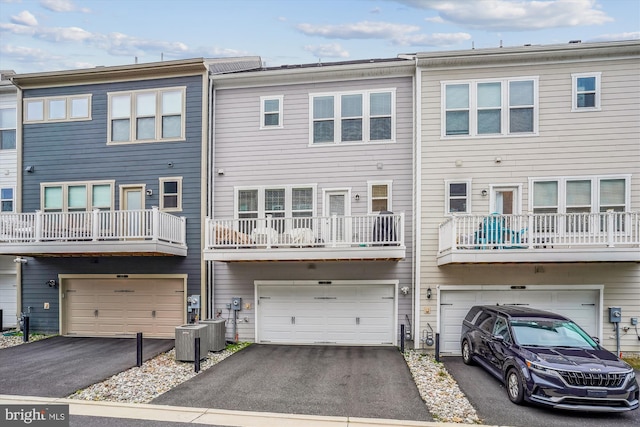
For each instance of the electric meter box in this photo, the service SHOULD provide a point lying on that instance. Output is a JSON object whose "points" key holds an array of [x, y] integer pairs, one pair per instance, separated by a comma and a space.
{"points": [[615, 314], [236, 303]]}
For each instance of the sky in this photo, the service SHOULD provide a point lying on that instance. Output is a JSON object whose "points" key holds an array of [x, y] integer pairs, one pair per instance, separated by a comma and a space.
{"points": [[51, 35]]}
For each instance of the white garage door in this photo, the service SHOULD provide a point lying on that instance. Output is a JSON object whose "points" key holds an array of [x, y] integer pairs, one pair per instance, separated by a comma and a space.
{"points": [[327, 314], [116, 307], [8, 299], [581, 306]]}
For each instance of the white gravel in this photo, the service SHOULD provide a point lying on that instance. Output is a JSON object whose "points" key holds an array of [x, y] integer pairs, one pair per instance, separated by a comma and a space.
{"points": [[437, 388]]}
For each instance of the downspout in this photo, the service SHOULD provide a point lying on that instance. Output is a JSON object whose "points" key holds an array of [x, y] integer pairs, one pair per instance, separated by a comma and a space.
{"points": [[19, 189], [417, 208], [209, 192]]}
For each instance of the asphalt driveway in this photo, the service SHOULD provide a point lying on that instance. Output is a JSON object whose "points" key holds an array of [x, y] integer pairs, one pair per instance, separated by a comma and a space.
{"points": [[371, 382], [59, 366], [489, 397]]}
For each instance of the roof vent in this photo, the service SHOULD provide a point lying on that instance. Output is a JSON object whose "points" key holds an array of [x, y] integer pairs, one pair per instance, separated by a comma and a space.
{"points": [[575, 41]]}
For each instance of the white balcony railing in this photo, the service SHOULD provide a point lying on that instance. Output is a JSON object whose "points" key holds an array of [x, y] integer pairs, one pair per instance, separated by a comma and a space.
{"points": [[150, 224], [307, 232], [540, 231]]}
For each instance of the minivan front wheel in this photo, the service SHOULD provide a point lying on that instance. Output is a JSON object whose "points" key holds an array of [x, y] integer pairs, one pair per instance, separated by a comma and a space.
{"points": [[515, 388], [466, 353]]}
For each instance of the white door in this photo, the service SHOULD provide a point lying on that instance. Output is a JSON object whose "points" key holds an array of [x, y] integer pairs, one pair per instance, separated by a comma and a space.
{"points": [[580, 305], [337, 207], [327, 314], [134, 222], [8, 299]]}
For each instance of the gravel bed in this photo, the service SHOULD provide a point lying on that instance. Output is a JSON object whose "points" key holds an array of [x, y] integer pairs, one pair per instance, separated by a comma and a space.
{"points": [[437, 388], [14, 340]]}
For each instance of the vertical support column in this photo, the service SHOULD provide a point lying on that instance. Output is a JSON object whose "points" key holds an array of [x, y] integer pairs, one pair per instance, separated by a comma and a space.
{"points": [[139, 349], [95, 224], [196, 355], [37, 233], [155, 226], [610, 228]]}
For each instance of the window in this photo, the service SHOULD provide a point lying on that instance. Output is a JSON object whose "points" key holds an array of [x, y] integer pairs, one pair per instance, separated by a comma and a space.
{"points": [[379, 196], [7, 128], [6, 199], [586, 92], [458, 196], [353, 117], [489, 108], [277, 201], [76, 196], [171, 194], [147, 116], [57, 109], [581, 197], [271, 112]]}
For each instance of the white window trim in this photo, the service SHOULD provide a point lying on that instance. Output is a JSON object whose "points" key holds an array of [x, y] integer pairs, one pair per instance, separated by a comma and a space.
{"points": [[366, 117], [504, 108], [158, 116], [574, 92], [162, 180], [280, 99], [10, 107], [370, 184], [595, 189], [447, 187], [288, 199], [45, 108], [13, 198], [66, 184]]}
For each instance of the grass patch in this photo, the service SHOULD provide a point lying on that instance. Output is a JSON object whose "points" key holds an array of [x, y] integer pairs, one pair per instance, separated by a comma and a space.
{"points": [[235, 347], [634, 361]]}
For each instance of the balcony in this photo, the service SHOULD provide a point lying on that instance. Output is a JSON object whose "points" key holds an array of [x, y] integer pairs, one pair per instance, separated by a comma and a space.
{"points": [[537, 238], [334, 238], [98, 233]]}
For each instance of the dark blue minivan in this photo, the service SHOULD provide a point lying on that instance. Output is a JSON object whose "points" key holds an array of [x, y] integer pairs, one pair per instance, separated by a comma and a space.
{"points": [[545, 358]]}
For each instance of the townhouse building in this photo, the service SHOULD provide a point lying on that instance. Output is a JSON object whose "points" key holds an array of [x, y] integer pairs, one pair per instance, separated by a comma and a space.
{"points": [[529, 185], [309, 235]]}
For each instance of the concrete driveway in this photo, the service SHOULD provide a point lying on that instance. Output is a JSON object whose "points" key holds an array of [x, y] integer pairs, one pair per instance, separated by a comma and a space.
{"points": [[489, 397], [58, 366], [370, 382]]}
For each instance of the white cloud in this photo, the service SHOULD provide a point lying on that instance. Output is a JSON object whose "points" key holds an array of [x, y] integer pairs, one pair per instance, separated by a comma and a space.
{"points": [[62, 6], [435, 20], [515, 15], [359, 30], [66, 34], [333, 50], [217, 52], [27, 54], [434, 40], [635, 35], [25, 18], [375, 10]]}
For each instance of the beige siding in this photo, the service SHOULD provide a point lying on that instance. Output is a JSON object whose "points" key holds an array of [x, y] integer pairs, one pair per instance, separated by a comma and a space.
{"points": [[568, 144]]}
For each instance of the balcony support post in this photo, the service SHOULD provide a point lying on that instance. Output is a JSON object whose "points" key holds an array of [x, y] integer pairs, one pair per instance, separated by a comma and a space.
{"points": [[454, 233], [269, 222], [95, 224], [530, 230], [155, 226], [610, 228], [334, 230], [37, 233], [208, 243]]}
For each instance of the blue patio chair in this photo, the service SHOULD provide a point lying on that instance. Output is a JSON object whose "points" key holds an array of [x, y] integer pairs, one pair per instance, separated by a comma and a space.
{"points": [[491, 231]]}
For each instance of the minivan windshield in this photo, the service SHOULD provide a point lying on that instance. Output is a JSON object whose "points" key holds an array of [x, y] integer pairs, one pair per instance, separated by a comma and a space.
{"points": [[550, 333]]}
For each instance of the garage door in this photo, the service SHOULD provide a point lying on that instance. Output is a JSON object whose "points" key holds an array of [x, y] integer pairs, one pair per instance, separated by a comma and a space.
{"points": [[116, 307], [328, 314], [579, 305], [8, 299]]}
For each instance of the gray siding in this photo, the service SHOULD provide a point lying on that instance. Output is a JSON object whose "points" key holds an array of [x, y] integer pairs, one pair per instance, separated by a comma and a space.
{"points": [[77, 151], [252, 157]]}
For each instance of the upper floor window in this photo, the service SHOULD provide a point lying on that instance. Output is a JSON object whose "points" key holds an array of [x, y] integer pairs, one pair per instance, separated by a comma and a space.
{"points": [[171, 194], [57, 109], [76, 196], [586, 91], [147, 115], [6, 200], [581, 194], [379, 196], [7, 128], [271, 112], [458, 196], [489, 107], [350, 117]]}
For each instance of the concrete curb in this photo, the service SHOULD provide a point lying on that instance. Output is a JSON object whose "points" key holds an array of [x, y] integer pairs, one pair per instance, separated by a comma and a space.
{"points": [[208, 416]]}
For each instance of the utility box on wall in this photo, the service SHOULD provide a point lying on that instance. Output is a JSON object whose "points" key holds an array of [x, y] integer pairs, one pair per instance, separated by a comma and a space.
{"points": [[236, 303], [615, 314]]}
